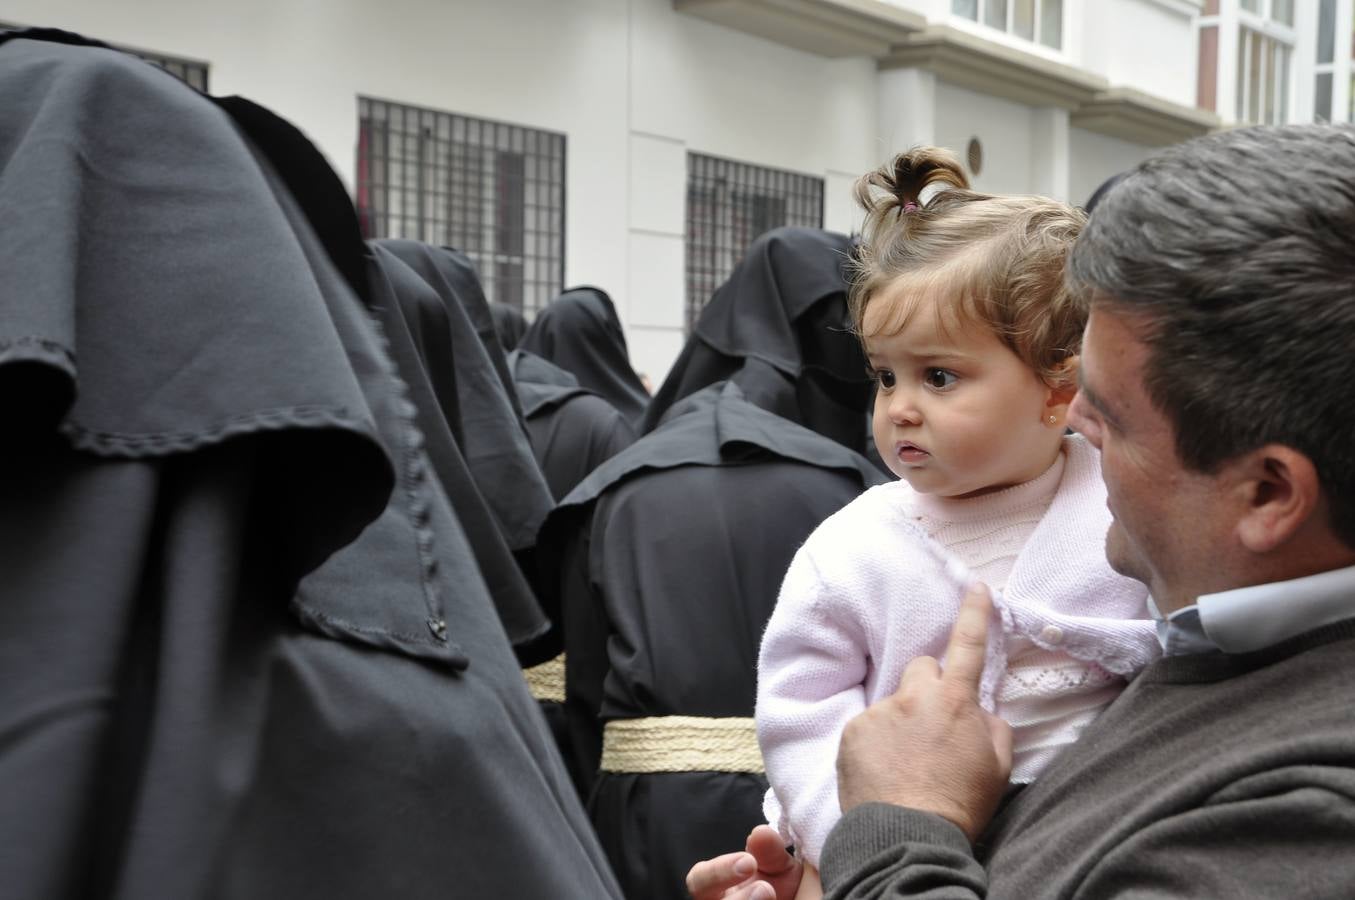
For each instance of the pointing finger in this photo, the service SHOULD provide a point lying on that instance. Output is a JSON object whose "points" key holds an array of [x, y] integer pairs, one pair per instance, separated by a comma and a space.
{"points": [[969, 639]]}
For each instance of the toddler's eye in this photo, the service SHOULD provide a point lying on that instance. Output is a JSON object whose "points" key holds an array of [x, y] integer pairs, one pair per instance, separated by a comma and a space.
{"points": [[939, 378], [885, 377]]}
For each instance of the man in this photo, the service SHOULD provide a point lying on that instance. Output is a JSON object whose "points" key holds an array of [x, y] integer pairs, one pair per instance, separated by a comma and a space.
{"points": [[1216, 377]]}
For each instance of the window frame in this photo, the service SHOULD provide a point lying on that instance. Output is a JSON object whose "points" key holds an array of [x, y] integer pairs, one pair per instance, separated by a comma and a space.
{"points": [[713, 243], [980, 20], [493, 190]]}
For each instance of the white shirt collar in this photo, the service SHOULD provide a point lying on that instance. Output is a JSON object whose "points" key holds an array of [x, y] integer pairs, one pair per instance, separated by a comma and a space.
{"points": [[1255, 617]]}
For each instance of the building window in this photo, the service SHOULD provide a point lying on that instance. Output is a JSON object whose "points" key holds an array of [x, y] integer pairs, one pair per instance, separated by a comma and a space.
{"points": [[1262, 78], [1264, 55], [194, 74], [728, 205], [1335, 62], [494, 191], [1033, 20]]}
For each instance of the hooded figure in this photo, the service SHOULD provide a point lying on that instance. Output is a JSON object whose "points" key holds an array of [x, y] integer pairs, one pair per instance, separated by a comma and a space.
{"points": [[573, 430], [498, 495], [580, 332], [509, 324], [769, 310], [669, 557], [243, 625], [456, 347]]}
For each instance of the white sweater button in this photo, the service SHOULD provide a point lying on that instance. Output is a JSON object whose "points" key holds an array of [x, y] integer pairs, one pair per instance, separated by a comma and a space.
{"points": [[1051, 634]]}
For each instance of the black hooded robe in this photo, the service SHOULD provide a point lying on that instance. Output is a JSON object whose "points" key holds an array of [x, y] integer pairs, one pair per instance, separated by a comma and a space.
{"points": [[580, 332], [670, 556], [181, 716]]}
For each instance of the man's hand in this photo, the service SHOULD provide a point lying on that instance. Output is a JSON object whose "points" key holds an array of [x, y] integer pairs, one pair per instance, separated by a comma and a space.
{"points": [[929, 745], [764, 871]]}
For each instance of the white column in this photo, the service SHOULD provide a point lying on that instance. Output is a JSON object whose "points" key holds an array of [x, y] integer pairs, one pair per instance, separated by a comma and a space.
{"points": [[656, 246], [907, 110], [1050, 160], [1226, 106], [1342, 71]]}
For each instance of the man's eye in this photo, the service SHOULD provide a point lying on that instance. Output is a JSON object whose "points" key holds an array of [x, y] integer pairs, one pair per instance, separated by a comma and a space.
{"points": [[939, 378], [885, 377]]}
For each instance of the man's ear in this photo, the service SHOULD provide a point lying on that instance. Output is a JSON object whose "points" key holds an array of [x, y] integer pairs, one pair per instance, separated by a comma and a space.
{"points": [[1059, 395], [1281, 492]]}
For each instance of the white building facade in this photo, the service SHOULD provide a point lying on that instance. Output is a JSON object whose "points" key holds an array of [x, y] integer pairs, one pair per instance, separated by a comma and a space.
{"points": [[638, 145]]}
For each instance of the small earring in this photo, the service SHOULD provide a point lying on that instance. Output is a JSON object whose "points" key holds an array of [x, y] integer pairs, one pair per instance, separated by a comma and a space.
{"points": [[1053, 420]]}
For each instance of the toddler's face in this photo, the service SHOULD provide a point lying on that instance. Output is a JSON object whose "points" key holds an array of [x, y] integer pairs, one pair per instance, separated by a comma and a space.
{"points": [[957, 413]]}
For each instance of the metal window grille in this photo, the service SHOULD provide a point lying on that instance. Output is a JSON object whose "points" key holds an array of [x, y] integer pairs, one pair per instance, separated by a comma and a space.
{"points": [[728, 205], [194, 74], [494, 191], [189, 71]]}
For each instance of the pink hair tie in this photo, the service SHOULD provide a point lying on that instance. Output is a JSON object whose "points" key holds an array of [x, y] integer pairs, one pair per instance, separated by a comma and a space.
{"points": [[909, 206]]}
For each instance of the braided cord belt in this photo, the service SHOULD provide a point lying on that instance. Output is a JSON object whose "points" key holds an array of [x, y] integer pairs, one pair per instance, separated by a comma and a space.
{"points": [[547, 680], [681, 744]]}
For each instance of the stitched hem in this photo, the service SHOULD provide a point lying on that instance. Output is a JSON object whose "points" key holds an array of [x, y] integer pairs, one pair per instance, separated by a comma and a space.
{"points": [[121, 444]]}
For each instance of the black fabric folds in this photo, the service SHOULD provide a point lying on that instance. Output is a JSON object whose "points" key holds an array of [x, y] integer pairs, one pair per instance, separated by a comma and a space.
{"points": [[451, 273], [180, 716], [124, 327], [423, 331], [784, 306], [573, 430], [579, 331], [509, 323], [681, 542]]}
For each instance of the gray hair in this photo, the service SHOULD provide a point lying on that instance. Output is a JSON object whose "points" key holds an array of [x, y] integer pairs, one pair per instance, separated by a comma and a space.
{"points": [[1239, 251]]}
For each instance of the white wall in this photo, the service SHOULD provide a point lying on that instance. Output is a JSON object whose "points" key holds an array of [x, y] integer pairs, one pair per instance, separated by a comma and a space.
{"points": [[1095, 157], [699, 87], [1002, 127], [308, 60], [1146, 44]]}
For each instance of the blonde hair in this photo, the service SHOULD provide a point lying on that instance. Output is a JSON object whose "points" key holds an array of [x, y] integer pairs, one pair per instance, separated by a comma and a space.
{"points": [[1001, 258]]}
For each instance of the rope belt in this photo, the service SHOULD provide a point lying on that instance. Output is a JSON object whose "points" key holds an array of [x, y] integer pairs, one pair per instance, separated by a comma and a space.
{"points": [[680, 744], [547, 680]]}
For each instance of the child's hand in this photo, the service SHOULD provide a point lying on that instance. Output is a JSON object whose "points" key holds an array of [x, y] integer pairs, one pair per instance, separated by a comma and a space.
{"points": [[930, 745], [764, 871]]}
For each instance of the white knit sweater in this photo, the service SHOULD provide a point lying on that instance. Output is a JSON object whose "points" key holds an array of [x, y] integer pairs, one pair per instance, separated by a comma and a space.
{"points": [[870, 590]]}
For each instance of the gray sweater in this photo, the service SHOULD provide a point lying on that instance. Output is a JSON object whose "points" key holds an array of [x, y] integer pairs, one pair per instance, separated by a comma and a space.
{"points": [[1212, 775]]}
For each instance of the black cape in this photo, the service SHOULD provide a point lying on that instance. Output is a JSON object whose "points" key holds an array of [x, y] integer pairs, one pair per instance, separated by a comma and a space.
{"points": [[509, 324], [491, 430], [580, 332], [671, 555], [427, 336], [784, 305], [573, 430], [181, 717]]}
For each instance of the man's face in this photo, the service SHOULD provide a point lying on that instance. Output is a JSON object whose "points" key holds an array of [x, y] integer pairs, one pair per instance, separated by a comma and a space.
{"points": [[1170, 525]]}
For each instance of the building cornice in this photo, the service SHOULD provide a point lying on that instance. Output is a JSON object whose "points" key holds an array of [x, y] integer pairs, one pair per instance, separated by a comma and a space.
{"points": [[1187, 8], [1132, 115], [897, 38], [990, 68], [833, 28]]}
